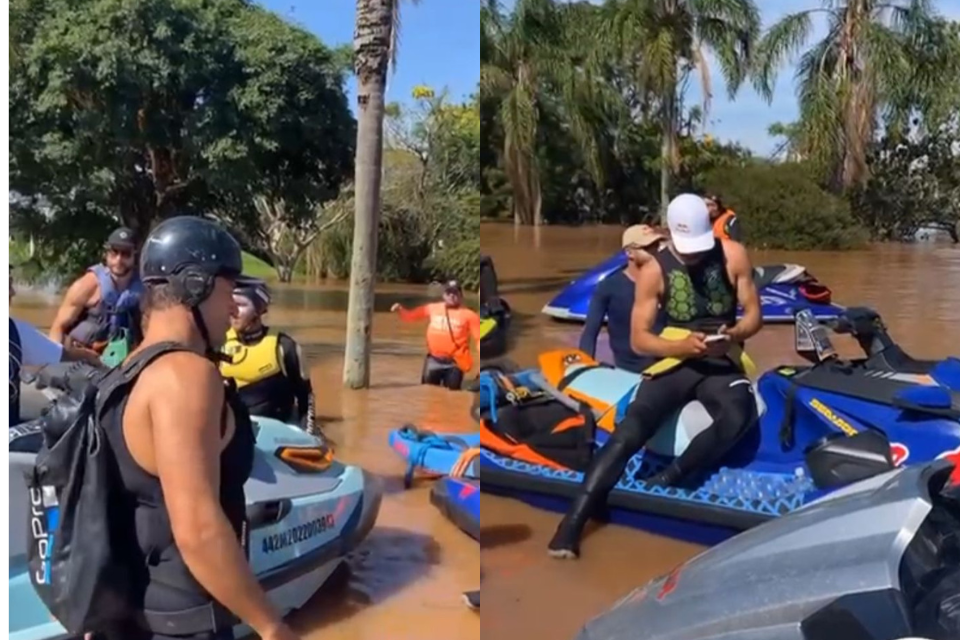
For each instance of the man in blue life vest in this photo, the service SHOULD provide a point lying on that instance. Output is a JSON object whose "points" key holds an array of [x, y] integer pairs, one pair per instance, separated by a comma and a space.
{"points": [[267, 365], [103, 300]]}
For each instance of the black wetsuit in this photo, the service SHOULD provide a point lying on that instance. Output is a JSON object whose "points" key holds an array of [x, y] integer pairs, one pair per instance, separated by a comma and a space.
{"points": [[166, 582], [698, 297], [286, 396]]}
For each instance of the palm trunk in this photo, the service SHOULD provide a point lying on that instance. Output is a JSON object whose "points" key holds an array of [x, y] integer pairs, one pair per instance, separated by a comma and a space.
{"points": [[371, 42], [667, 151]]}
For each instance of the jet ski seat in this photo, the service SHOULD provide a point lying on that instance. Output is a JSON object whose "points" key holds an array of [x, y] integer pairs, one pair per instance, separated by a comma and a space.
{"points": [[883, 354]]}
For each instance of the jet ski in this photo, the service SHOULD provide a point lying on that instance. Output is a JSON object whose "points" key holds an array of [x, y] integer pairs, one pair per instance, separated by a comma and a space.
{"points": [[784, 289], [459, 500], [495, 313], [820, 427], [879, 560], [305, 513]]}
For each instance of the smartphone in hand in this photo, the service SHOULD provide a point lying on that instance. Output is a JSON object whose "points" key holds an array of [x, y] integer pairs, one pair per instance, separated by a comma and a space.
{"points": [[717, 337]]}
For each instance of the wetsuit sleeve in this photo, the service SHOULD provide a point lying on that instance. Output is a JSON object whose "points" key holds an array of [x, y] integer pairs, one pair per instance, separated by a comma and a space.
{"points": [[595, 315], [733, 229], [412, 315], [299, 378]]}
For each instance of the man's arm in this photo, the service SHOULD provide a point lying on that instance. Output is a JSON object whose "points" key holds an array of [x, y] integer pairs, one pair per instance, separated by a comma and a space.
{"points": [[291, 356], [595, 314], [74, 303], [410, 315], [645, 305], [740, 271], [187, 445]]}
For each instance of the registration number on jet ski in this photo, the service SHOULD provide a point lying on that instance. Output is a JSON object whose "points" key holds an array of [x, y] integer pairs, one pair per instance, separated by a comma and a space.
{"points": [[299, 533]]}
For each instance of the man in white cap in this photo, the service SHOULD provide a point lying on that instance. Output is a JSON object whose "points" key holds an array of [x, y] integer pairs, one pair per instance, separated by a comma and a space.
{"points": [[697, 281], [613, 299]]}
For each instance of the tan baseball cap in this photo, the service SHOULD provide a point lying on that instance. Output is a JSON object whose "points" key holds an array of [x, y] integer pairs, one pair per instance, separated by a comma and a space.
{"points": [[640, 235]]}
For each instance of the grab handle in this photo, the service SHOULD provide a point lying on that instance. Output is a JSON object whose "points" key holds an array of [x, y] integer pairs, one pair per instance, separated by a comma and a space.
{"points": [[264, 514]]}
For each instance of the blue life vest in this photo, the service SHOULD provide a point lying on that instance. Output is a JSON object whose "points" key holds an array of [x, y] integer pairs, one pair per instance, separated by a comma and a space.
{"points": [[112, 312]]}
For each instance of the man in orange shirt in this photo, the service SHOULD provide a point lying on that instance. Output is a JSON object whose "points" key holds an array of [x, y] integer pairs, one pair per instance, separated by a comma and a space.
{"points": [[725, 224], [448, 336]]}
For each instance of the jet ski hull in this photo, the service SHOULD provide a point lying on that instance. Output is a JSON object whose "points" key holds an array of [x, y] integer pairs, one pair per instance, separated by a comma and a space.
{"points": [[837, 436], [851, 565], [459, 500], [779, 300], [301, 526]]}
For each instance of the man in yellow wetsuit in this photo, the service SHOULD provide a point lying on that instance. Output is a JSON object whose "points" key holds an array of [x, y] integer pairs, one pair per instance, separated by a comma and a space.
{"points": [[266, 364]]}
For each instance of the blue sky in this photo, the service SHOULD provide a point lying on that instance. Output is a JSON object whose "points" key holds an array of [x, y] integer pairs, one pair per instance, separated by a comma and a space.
{"points": [[439, 41]]}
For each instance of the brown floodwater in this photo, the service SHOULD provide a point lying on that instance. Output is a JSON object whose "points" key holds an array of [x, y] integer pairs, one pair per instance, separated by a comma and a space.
{"points": [[405, 581], [527, 595]]}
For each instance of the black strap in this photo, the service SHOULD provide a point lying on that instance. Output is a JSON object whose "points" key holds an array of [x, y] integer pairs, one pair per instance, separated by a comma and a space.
{"points": [[107, 386], [453, 339], [788, 439], [16, 362]]}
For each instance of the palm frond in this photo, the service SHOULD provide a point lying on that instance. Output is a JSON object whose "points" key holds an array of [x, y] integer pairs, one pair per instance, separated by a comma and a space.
{"points": [[783, 40]]}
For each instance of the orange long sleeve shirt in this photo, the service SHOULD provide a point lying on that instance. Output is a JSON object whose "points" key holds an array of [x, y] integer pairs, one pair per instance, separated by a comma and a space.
{"points": [[447, 339]]}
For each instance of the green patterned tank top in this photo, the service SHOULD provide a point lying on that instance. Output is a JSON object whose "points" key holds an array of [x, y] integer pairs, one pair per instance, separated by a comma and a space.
{"points": [[697, 296]]}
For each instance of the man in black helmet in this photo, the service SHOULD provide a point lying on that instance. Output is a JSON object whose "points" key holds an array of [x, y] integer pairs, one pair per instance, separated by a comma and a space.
{"points": [[182, 464], [266, 364]]}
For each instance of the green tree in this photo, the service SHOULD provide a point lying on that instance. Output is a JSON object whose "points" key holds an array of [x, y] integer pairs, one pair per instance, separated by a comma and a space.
{"points": [[298, 135], [865, 63], [141, 110], [124, 108]]}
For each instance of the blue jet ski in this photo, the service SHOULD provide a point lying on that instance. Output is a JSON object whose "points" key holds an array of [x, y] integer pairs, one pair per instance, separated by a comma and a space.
{"points": [[821, 427], [434, 454], [305, 513], [784, 290], [459, 500]]}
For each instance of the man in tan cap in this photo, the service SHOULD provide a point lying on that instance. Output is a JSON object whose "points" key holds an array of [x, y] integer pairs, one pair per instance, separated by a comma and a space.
{"points": [[614, 296]]}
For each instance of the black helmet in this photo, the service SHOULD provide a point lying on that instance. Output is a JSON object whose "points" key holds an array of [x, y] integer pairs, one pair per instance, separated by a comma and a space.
{"points": [[255, 290], [188, 253]]}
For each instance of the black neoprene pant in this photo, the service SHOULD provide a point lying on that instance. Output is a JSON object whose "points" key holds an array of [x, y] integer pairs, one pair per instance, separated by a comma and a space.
{"points": [[441, 374], [718, 384]]}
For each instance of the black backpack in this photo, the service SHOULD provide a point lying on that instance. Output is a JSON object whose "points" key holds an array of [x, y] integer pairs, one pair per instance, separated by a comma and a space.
{"points": [[73, 523]]}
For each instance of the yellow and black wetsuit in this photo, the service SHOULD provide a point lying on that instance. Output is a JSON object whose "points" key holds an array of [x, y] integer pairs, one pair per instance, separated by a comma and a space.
{"points": [[268, 370]]}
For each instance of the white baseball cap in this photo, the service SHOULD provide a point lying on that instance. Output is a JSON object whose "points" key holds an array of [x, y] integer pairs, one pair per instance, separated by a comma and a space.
{"points": [[689, 221]]}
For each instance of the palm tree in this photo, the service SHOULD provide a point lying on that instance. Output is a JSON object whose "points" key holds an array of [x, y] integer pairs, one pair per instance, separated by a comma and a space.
{"points": [[663, 42], [375, 42], [515, 54], [538, 57], [860, 66]]}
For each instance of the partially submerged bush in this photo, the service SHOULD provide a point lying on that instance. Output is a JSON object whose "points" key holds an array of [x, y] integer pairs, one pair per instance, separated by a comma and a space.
{"points": [[781, 206]]}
